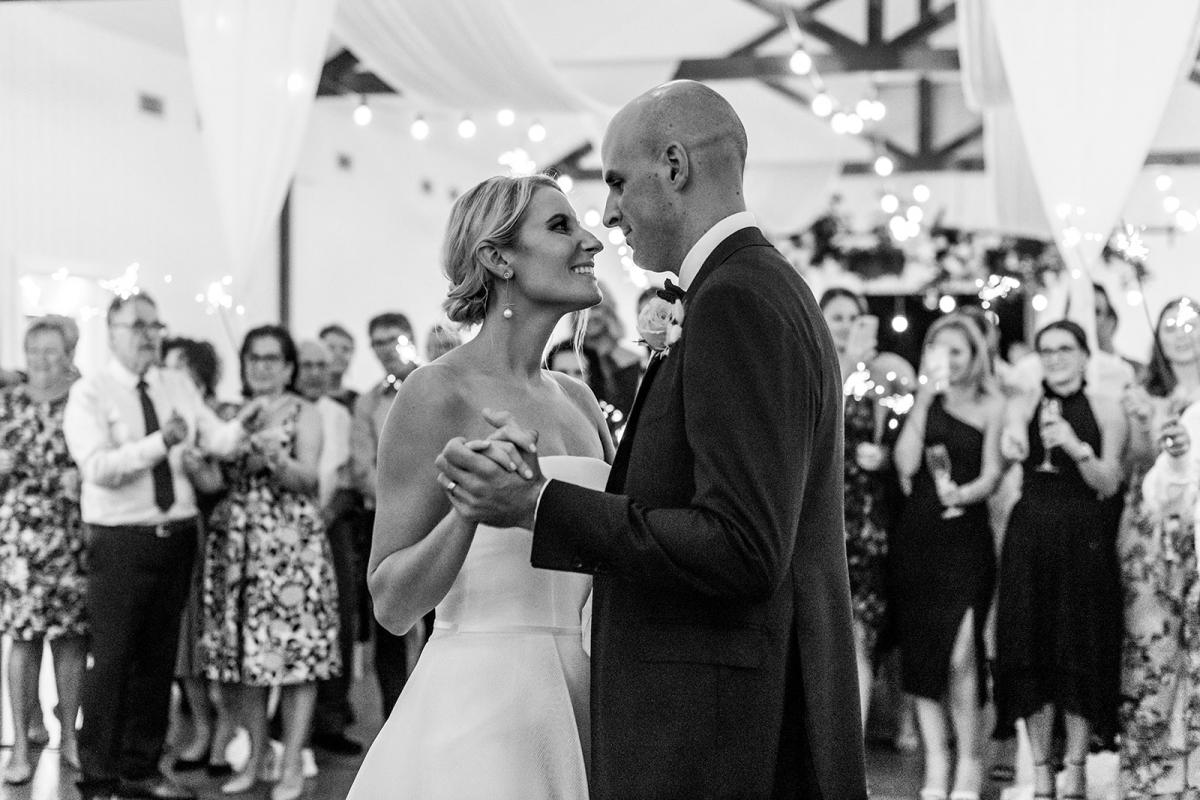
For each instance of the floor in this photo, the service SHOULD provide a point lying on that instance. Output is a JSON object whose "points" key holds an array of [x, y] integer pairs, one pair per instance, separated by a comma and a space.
{"points": [[891, 774]]}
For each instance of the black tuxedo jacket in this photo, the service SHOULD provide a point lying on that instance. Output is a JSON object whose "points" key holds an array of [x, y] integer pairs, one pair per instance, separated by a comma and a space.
{"points": [[722, 654]]}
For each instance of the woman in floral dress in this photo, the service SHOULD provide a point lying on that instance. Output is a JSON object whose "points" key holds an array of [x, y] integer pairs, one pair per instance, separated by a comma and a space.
{"points": [[41, 541], [1160, 669], [270, 598], [872, 495]]}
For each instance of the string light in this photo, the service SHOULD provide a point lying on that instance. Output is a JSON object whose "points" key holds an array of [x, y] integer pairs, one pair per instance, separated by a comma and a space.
{"points": [[362, 112], [920, 193], [947, 304], [801, 62], [506, 117], [419, 129], [889, 203], [1039, 302], [537, 132], [467, 128], [822, 105], [591, 218], [884, 166], [124, 285], [565, 182], [1163, 183]]}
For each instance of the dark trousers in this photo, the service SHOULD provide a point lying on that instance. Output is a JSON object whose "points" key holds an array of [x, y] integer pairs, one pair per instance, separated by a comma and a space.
{"points": [[333, 713], [389, 649], [138, 581]]}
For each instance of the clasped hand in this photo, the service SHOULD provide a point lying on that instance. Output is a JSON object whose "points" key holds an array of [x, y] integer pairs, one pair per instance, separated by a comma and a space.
{"points": [[497, 480]]}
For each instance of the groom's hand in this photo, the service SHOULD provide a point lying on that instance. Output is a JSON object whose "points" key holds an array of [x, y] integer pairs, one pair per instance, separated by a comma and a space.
{"points": [[482, 490]]}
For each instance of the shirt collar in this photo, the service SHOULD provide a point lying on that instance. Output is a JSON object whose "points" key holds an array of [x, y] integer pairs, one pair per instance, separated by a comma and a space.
{"points": [[124, 376], [707, 243]]}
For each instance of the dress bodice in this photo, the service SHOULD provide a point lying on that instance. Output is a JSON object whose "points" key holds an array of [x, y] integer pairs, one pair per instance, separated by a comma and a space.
{"points": [[497, 589]]}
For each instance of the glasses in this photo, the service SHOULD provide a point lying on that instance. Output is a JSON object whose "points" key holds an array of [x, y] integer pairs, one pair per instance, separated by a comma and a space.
{"points": [[142, 328], [1050, 352], [268, 360]]}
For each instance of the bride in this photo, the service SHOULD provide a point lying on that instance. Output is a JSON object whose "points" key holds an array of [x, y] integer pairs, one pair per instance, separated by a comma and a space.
{"points": [[497, 706]]}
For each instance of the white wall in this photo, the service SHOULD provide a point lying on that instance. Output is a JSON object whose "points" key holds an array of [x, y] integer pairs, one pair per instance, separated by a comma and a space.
{"points": [[89, 182]]}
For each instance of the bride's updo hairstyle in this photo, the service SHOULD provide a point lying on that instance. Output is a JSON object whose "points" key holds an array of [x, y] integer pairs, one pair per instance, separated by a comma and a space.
{"points": [[490, 213]]}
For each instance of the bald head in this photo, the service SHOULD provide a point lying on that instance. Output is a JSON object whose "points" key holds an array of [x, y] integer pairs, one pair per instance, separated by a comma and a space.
{"points": [[673, 158], [312, 380]]}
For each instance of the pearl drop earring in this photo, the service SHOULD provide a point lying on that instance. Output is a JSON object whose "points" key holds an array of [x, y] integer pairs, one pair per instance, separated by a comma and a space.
{"points": [[508, 312]]}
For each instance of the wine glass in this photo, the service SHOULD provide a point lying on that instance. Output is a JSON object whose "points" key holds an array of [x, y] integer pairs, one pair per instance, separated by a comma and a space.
{"points": [[1051, 412], [937, 458]]}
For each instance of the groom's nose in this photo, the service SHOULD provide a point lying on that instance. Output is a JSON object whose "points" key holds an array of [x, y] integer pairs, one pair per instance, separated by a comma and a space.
{"points": [[612, 215]]}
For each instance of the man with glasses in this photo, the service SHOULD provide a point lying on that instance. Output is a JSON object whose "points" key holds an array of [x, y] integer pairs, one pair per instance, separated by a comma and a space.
{"points": [[392, 341], [127, 427]]}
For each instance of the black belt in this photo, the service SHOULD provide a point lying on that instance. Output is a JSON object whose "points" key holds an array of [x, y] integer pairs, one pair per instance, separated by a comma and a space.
{"points": [[161, 530]]}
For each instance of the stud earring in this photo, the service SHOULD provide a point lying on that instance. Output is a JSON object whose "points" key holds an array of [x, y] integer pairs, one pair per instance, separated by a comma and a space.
{"points": [[508, 312]]}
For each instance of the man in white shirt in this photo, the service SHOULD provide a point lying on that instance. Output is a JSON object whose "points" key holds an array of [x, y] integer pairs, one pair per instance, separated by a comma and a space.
{"points": [[126, 427], [333, 713]]}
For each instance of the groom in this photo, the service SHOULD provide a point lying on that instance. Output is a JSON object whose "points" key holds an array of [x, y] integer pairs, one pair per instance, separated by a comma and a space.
{"points": [[722, 660]]}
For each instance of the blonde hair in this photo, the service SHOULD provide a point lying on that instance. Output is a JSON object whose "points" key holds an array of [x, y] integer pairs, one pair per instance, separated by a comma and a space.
{"points": [[979, 373], [489, 213]]}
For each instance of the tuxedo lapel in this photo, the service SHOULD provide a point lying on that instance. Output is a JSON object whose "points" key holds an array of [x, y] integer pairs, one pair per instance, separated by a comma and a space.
{"points": [[620, 465]]}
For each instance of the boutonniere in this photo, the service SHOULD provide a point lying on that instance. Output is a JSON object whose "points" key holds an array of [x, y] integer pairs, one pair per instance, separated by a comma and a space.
{"points": [[660, 322]]}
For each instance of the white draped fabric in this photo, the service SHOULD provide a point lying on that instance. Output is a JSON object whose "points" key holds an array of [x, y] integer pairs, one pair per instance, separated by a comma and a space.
{"points": [[255, 65], [460, 54]]}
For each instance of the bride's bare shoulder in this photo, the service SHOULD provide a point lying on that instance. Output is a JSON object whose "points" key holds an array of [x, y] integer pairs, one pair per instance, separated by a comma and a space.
{"points": [[434, 389]]}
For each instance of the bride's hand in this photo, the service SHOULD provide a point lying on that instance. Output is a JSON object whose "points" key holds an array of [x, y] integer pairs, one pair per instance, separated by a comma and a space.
{"points": [[508, 430], [503, 452]]}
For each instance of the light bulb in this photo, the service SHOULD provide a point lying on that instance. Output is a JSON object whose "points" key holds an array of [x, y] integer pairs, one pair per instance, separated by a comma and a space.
{"points": [[506, 117], [854, 124], [889, 203], [920, 193], [884, 166], [947, 304], [801, 62], [822, 105], [878, 110], [1170, 204], [914, 214], [1039, 302], [419, 129], [1163, 183], [565, 182], [1133, 297], [865, 109], [840, 123], [1185, 220], [537, 132], [591, 218], [466, 128], [362, 113], [899, 323]]}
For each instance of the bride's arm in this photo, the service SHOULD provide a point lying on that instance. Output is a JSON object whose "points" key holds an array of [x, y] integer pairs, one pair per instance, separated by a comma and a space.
{"points": [[419, 542]]}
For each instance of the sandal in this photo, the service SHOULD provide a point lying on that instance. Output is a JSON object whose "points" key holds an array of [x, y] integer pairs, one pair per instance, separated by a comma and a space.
{"points": [[1053, 793], [1081, 784]]}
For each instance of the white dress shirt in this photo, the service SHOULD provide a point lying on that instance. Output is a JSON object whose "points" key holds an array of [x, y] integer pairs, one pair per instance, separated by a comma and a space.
{"points": [[706, 244], [106, 435], [335, 447]]}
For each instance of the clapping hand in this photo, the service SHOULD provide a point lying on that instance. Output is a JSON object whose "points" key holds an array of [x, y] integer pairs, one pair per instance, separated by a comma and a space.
{"points": [[1014, 443], [1174, 439], [175, 431], [496, 480], [253, 415]]}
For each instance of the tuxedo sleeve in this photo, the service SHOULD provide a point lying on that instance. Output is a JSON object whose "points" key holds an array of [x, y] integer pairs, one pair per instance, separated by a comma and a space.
{"points": [[753, 379]]}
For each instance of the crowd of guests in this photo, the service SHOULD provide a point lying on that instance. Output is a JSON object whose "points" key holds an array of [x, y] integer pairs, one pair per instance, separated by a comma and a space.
{"points": [[1023, 535], [1019, 534]]}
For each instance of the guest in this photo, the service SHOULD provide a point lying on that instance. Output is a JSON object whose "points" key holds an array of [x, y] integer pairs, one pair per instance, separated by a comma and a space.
{"points": [[126, 426], [1058, 630], [564, 358], [10, 378], [1160, 680], [333, 713], [441, 340], [618, 368], [1107, 322], [211, 729], [341, 352], [391, 337], [41, 543], [870, 482], [942, 559], [270, 597]]}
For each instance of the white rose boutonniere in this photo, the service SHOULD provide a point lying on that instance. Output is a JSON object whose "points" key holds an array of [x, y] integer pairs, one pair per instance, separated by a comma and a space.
{"points": [[660, 322]]}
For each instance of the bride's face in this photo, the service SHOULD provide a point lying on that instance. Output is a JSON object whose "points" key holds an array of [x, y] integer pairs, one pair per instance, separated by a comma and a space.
{"points": [[554, 261]]}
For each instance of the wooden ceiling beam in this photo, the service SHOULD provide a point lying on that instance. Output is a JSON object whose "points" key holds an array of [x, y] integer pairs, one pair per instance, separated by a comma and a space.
{"points": [[929, 24], [874, 59]]}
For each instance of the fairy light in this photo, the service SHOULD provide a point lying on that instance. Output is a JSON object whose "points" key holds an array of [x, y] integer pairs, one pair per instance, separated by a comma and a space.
{"points": [[124, 285], [419, 129], [362, 112], [505, 117]]}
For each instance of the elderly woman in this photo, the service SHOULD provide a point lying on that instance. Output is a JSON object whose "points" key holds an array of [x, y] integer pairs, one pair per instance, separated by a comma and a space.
{"points": [[41, 540], [1058, 624], [270, 596]]}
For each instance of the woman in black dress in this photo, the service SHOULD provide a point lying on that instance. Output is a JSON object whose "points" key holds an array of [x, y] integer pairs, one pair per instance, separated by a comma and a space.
{"points": [[942, 557], [1058, 629]]}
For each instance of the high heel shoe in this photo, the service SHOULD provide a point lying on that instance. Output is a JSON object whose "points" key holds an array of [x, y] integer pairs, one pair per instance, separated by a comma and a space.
{"points": [[290, 787], [1052, 794], [242, 782], [1077, 772]]}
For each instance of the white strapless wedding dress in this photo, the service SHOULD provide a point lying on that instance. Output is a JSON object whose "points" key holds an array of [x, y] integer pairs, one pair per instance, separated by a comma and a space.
{"points": [[497, 707]]}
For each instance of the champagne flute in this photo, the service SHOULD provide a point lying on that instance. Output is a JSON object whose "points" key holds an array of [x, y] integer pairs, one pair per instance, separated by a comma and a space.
{"points": [[1051, 412], [937, 458]]}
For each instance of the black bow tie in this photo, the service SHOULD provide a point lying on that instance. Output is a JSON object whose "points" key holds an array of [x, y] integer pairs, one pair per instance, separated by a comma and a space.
{"points": [[670, 292]]}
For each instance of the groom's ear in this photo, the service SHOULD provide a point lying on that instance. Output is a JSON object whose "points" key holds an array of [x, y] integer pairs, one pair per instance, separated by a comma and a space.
{"points": [[678, 166]]}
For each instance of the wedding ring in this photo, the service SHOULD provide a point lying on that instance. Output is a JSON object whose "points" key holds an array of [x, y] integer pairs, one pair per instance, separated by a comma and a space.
{"points": [[450, 486]]}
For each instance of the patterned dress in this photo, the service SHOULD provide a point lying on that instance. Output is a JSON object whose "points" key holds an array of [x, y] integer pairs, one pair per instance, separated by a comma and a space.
{"points": [[872, 499], [1160, 659], [270, 598], [42, 579]]}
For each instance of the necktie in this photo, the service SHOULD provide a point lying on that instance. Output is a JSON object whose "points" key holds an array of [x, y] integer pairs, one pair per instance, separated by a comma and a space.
{"points": [[164, 484]]}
